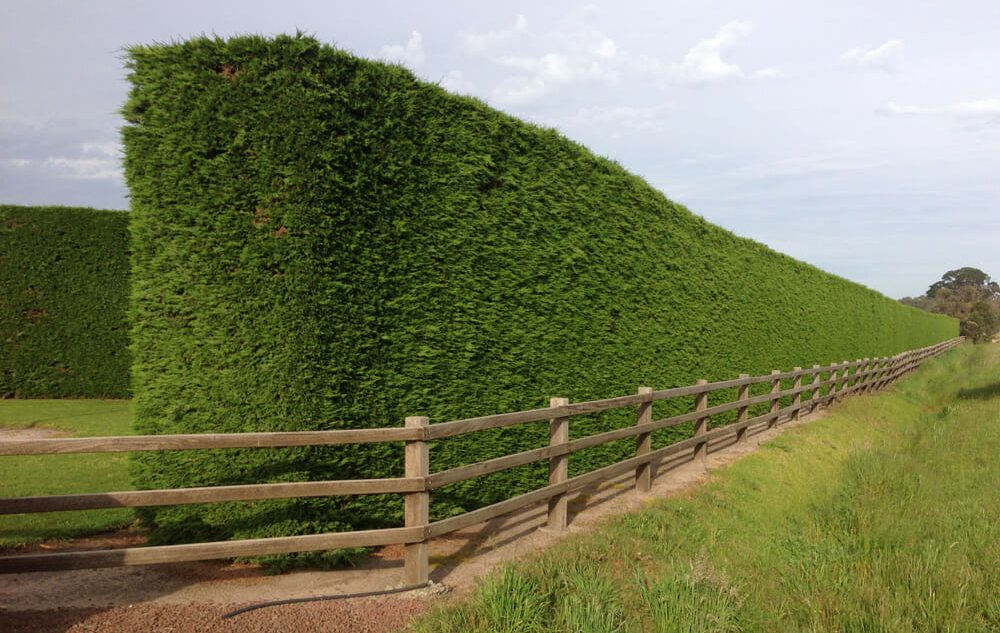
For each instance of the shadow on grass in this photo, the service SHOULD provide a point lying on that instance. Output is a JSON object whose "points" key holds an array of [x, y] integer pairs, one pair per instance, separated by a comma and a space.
{"points": [[986, 392]]}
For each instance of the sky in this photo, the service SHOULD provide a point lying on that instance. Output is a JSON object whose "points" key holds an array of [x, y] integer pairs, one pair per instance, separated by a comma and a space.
{"points": [[861, 137]]}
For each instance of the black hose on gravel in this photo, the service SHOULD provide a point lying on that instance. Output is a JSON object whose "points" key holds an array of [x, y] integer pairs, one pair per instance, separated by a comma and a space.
{"points": [[336, 596]]}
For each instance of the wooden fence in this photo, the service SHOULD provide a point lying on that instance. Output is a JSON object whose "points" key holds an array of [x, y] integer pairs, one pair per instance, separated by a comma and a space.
{"points": [[838, 380]]}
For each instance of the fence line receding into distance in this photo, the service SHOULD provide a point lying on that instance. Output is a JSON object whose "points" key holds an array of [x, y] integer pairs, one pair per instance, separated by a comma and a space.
{"points": [[838, 380]]}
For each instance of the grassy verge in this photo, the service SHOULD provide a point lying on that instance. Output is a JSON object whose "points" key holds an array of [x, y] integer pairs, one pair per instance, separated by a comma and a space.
{"points": [[63, 474], [881, 517]]}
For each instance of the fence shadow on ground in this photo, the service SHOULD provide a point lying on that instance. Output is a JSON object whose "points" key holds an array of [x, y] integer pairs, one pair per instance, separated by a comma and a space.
{"points": [[986, 392]]}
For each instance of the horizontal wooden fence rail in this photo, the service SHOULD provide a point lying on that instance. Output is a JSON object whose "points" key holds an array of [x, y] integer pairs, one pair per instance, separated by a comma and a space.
{"points": [[837, 379]]}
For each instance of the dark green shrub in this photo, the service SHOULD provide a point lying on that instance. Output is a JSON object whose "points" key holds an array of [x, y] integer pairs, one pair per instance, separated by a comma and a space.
{"points": [[63, 296], [324, 242]]}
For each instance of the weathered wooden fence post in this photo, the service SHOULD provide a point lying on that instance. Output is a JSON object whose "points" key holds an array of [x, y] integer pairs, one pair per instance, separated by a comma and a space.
{"points": [[700, 423], [416, 505], [865, 378], [644, 443], [775, 405], [814, 396], [741, 414], [797, 398], [832, 394], [845, 380], [558, 468]]}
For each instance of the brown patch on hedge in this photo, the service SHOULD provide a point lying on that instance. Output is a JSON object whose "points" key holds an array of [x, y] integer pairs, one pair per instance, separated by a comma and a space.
{"points": [[35, 314]]}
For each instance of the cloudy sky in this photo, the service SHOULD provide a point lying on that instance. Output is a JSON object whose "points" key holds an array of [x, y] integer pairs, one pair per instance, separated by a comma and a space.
{"points": [[862, 137]]}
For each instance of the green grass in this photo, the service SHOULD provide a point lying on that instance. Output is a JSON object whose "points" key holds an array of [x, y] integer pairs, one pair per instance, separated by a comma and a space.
{"points": [[881, 517], [64, 474]]}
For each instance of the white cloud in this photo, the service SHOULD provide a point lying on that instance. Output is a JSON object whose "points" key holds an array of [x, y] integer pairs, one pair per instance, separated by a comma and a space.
{"points": [[888, 57], [767, 73], [618, 121], [84, 168], [799, 166], [558, 68], [981, 109], [479, 43], [704, 62], [702, 158], [515, 90], [455, 81], [104, 148], [94, 161], [891, 108], [571, 53], [410, 54], [977, 114], [585, 56], [575, 53]]}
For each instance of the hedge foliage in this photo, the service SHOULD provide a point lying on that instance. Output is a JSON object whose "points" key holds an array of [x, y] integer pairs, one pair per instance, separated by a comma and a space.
{"points": [[63, 296], [325, 242]]}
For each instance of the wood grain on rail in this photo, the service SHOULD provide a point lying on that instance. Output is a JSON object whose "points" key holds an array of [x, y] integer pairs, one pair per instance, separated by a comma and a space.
{"points": [[276, 439], [206, 551], [209, 494]]}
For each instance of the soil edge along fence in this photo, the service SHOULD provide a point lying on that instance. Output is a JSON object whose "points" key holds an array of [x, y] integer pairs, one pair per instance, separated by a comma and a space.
{"points": [[824, 385]]}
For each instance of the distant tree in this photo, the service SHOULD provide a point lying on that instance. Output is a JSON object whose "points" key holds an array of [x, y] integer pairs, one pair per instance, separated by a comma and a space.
{"points": [[969, 295], [966, 278], [982, 323], [923, 302]]}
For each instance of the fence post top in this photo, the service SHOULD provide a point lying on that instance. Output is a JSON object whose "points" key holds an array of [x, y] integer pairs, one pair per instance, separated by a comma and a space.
{"points": [[701, 381], [796, 369], [645, 390], [744, 375], [775, 371], [413, 421], [558, 402]]}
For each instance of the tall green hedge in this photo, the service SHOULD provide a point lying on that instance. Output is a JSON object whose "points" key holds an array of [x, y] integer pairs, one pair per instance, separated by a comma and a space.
{"points": [[322, 242], [63, 297]]}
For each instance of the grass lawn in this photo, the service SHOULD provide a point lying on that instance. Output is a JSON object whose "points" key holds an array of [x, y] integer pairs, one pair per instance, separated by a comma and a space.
{"points": [[885, 516], [63, 474]]}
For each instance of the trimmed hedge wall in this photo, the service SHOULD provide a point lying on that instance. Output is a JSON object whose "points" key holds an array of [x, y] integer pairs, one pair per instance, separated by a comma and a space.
{"points": [[325, 242], [63, 298]]}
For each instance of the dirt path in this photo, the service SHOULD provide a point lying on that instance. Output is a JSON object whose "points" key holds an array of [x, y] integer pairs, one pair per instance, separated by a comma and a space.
{"points": [[195, 596]]}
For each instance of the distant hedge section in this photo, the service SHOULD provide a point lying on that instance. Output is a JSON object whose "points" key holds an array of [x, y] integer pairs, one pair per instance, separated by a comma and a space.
{"points": [[323, 242], [64, 275]]}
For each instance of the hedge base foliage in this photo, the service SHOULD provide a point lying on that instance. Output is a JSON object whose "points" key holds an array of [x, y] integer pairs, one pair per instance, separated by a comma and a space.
{"points": [[63, 296], [325, 242]]}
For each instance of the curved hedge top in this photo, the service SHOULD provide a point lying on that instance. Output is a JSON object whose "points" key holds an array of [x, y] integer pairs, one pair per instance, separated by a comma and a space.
{"points": [[63, 294], [322, 241]]}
